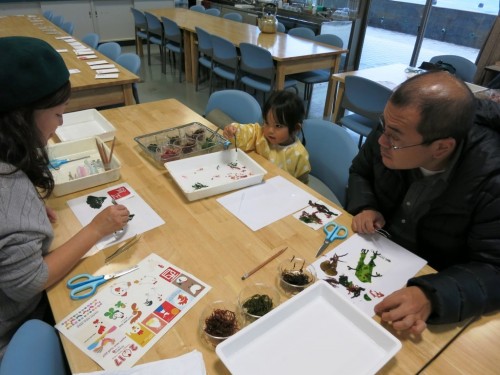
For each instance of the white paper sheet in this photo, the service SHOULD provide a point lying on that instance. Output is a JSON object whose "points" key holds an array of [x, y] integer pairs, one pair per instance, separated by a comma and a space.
{"points": [[145, 218], [261, 205], [385, 272]]}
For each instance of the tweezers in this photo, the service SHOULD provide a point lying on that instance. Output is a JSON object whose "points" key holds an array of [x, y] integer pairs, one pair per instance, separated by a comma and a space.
{"points": [[383, 232], [123, 248]]}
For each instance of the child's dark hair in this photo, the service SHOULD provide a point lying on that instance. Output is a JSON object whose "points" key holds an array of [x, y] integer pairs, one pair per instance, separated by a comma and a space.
{"points": [[288, 109]]}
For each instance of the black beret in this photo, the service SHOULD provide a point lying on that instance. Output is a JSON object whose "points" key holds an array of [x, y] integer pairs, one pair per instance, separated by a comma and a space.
{"points": [[30, 69]]}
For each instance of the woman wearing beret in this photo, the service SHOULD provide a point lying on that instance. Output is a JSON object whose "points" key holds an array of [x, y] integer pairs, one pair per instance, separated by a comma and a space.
{"points": [[34, 92]]}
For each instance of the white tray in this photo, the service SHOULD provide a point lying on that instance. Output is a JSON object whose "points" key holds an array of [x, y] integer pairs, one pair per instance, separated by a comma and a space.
{"points": [[85, 124], [315, 332], [76, 149], [213, 171]]}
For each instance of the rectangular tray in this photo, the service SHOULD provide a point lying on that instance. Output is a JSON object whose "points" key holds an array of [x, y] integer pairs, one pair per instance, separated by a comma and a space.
{"points": [[150, 143], [85, 124], [219, 172], [315, 332], [75, 149]]}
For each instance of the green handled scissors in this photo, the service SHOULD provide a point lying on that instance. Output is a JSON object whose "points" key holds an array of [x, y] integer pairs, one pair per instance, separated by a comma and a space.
{"points": [[85, 285], [333, 232]]}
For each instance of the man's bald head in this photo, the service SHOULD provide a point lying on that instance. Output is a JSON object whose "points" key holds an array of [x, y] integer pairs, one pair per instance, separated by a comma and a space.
{"points": [[445, 103]]}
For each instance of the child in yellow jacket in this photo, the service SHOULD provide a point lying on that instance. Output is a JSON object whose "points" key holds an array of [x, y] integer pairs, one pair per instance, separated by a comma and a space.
{"points": [[277, 139]]}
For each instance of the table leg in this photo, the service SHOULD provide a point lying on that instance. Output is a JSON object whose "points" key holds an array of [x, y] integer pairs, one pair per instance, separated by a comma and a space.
{"points": [[189, 41], [280, 77]]}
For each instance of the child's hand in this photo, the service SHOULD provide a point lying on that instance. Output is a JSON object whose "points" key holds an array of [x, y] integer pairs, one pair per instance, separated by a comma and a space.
{"points": [[229, 131]]}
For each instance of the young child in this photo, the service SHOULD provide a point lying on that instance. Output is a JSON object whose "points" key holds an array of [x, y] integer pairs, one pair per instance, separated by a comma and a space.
{"points": [[276, 140]]}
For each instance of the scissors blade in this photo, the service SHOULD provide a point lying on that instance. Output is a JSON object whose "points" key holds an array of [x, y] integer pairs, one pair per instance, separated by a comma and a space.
{"points": [[121, 273], [322, 248]]}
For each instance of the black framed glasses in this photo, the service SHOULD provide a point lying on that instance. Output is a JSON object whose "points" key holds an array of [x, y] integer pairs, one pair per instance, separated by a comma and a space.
{"points": [[391, 140]]}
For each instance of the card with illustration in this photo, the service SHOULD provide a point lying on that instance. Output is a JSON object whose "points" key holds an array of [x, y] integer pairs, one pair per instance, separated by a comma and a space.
{"points": [[317, 214], [125, 318]]}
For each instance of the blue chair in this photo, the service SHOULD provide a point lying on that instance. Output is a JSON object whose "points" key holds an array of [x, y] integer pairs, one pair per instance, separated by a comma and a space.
{"points": [[131, 62], [233, 16], [303, 32], [69, 27], [257, 69], [205, 51], [91, 40], [173, 42], [34, 349], [225, 61], [155, 36], [331, 150], [309, 79], [465, 69], [238, 105], [58, 20], [48, 14], [367, 100], [281, 28], [198, 8], [213, 12], [141, 30], [110, 49]]}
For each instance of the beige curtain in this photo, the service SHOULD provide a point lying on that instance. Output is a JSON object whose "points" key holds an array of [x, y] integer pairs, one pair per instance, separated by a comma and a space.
{"points": [[490, 53]]}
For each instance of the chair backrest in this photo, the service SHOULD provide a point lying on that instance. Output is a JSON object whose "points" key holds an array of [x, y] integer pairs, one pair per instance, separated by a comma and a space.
{"points": [[48, 14], [34, 349], [171, 30], [110, 49], [465, 69], [239, 105], [330, 39], [331, 150], [281, 27], [130, 61], [213, 12], [154, 24], [224, 52], [58, 20], [257, 61], [139, 19], [198, 8], [91, 39], [303, 32], [204, 41], [365, 97], [69, 27], [233, 16]]}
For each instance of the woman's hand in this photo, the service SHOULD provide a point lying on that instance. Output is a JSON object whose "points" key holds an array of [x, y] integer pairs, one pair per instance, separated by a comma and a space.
{"points": [[51, 214], [367, 221], [110, 220]]}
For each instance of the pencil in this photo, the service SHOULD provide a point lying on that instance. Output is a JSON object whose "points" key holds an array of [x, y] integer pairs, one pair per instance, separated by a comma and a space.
{"points": [[248, 274], [101, 152], [112, 148]]}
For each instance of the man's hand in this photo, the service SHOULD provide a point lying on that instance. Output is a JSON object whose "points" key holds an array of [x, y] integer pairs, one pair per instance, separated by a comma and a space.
{"points": [[406, 309], [367, 221]]}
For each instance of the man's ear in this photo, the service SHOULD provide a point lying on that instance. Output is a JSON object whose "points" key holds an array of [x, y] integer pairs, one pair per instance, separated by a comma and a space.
{"points": [[444, 147]]}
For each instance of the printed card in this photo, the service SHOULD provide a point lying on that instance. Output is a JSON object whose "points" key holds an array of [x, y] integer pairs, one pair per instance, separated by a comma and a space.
{"points": [[106, 76]]}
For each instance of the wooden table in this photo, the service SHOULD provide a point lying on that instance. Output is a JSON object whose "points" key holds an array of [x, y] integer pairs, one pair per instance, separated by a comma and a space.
{"points": [[203, 238], [87, 91], [291, 54], [388, 75]]}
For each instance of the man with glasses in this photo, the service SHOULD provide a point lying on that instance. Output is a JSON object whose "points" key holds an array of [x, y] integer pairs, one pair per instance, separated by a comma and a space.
{"points": [[430, 176]]}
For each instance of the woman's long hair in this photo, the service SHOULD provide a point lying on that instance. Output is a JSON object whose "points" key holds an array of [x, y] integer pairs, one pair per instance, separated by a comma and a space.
{"points": [[22, 144]]}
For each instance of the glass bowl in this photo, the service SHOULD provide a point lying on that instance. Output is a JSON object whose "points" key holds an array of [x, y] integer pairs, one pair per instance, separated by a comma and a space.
{"points": [[294, 276], [256, 300], [218, 321]]}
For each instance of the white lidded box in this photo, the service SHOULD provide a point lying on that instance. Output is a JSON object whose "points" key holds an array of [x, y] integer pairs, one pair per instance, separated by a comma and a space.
{"points": [[84, 173], [85, 124], [315, 332], [215, 173]]}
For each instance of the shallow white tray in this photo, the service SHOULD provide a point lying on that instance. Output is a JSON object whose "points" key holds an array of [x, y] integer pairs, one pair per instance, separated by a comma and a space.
{"points": [[213, 171], [85, 124], [77, 149], [315, 332]]}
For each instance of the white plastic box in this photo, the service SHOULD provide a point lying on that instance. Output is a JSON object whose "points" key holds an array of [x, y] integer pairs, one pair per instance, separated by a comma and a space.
{"points": [[215, 173], [66, 177], [85, 124]]}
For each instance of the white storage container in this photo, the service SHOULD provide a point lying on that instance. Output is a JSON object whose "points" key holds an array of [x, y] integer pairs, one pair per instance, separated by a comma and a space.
{"points": [[85, 124]]}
